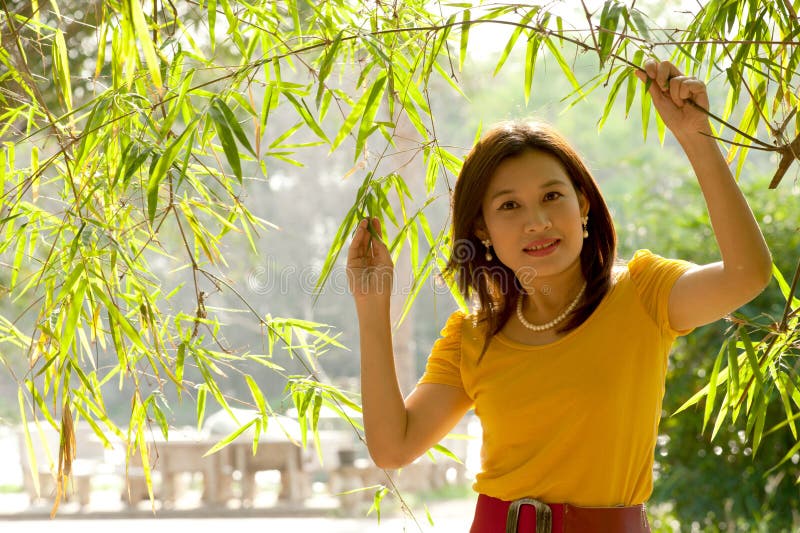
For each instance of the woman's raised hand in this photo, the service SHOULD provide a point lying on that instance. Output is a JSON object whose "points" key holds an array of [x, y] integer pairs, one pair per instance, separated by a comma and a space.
{"points": [[680, 100], [370, 271]]}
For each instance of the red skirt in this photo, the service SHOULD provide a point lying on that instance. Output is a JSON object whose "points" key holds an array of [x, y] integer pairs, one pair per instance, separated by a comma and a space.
{"points": [[492, 516]]}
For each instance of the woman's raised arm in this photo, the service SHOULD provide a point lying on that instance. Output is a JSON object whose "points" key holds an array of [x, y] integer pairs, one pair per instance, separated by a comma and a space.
{"points": [[397, 430], [709, 292]]}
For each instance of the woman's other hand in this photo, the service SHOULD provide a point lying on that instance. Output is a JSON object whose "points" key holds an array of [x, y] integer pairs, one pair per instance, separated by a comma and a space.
{"points": [[370, 271], [680, 100]]}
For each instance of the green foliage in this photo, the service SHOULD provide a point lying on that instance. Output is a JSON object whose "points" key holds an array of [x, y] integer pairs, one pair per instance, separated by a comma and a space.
{"points": [[124, 174], [716, 462]]}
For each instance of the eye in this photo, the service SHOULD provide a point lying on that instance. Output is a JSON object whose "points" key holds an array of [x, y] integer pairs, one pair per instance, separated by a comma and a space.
{"points": [[508, 204], [552, 195]]}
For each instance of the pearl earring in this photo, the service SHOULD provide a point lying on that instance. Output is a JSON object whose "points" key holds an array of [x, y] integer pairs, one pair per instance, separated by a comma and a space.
{"points": [[488, 243], [585, 223]]}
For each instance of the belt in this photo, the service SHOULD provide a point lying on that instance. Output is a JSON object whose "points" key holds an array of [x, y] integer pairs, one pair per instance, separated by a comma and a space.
{"points": [[528, 515]]}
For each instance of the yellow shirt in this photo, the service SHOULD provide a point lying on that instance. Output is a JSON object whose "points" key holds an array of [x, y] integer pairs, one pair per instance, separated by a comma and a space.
{"points": [[574, 421]]}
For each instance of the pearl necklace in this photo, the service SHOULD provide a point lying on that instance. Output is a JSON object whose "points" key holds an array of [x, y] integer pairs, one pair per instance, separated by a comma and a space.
{"points": [[556, 320]]}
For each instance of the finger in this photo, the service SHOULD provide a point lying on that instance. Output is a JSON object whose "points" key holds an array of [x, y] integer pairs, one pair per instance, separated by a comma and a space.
{"points": [[656, 93], [647, 76], [665, 71], [360, 242], [696, 91], [379, 249], [651, 68], [676, 89], [382, 259]]}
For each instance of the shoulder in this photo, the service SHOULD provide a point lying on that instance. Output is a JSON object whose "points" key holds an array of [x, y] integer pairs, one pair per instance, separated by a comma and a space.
{"points": [[461, 329], [645, 262], [651, 272], [653, 277], [451, 333], [459, 321], [454, 323]]}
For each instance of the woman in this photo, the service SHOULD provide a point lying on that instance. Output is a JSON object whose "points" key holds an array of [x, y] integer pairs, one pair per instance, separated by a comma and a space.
{"points": [[564, 359]]}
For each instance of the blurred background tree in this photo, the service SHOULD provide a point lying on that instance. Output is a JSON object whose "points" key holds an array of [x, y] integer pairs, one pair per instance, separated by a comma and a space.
{"points": [[146, 146]]}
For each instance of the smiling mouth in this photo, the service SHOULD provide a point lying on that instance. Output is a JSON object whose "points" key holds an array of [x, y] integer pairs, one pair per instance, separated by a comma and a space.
{"points": [[541, 247]]}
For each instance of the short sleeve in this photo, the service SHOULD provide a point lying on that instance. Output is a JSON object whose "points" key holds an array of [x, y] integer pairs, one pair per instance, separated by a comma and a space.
{"points": [[653, 276], [444, 361]]}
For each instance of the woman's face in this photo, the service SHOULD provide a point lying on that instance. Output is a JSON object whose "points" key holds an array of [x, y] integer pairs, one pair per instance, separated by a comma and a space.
{"points": [[532, 214]]}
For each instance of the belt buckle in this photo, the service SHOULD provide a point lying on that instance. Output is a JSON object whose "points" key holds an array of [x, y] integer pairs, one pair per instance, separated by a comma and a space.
{"points": [[544, 515]]}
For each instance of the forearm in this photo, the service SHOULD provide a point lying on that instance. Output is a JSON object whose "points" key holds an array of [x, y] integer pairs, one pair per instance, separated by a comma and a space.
{"points": [[742, 248], [385, 415]]}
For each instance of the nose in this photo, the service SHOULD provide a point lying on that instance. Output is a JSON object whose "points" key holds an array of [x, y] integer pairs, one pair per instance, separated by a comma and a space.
{"points": [[537, 221]]}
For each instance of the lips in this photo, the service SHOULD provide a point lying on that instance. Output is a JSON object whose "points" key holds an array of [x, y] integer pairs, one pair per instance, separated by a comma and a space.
{"points": [[542, 247]]}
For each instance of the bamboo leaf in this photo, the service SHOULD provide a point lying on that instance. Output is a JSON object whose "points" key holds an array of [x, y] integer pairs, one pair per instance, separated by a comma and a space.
{"points": [[314, 425], [609, 19], [712, 385], [233, 124], [138, 421], [305, 114], [285, 135], [143, 36], [2, 177], [34, 468], [211, 9], [73, 314], [439, 40], [696, 397], [177, 105], [760, 418], [325, 66], [305, 402], [633, 81], [376, 501], [130, 163], [563, 64], [447, 453], [226, 139], [115, 317], [61, 68], [784, 287], [723, 412], [513, 39], [230, 437], [370, 110], [612, 95], [255, 390], [784, 383], [640, 24], [791, 453], [257, 433], [180, 359], [160, 418], [449, 78], [733, 371], [159, 170], [355, 113], [465, 19], [758, 377], [201, 405], [646, 105], [530, 63]]}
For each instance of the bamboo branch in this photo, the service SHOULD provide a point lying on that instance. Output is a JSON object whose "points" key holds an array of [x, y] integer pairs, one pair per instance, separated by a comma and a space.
{"points": [[786, 310]]}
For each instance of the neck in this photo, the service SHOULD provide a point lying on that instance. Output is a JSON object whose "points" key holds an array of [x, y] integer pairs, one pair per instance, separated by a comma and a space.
{"points": [[547, 297]]}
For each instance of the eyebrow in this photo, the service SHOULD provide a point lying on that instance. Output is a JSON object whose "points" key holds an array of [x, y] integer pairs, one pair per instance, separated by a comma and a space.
{"points": [[544, 186]]}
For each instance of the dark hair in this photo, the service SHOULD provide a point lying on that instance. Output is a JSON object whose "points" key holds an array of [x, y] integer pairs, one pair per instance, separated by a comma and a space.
{"points": [[494, 284]]}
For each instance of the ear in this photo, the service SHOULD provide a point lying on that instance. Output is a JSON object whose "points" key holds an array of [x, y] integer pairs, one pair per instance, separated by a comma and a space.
{"points": [[480, 229], [583, 203]]}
